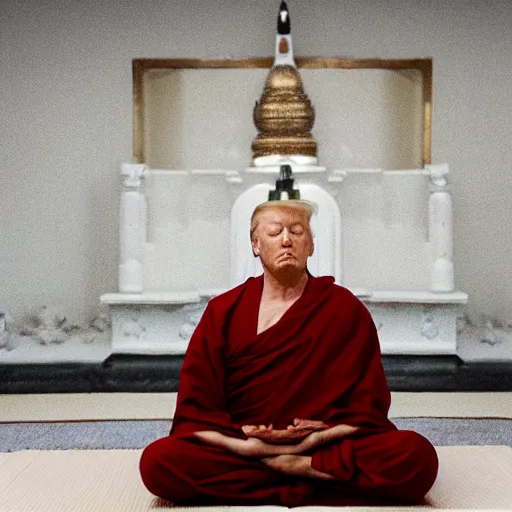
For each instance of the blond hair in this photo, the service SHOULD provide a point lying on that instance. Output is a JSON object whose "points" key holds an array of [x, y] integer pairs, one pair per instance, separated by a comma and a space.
{"points": [[307, 207]]}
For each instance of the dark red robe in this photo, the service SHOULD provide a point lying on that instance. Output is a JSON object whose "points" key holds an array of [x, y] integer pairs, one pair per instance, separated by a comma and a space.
{"points": [[321, 361]]}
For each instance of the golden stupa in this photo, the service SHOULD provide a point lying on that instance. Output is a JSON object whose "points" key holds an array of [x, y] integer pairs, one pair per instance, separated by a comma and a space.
{"points": [[284, 115]]}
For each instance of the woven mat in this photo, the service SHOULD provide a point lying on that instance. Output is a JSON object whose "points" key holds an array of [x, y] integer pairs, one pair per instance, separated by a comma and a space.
{"points": [[89, 435], [470, 477], [130, 435]]}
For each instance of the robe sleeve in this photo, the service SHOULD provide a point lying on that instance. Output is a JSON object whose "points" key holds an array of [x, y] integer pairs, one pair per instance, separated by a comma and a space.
{"points": [[201, 402], [366, 403]]}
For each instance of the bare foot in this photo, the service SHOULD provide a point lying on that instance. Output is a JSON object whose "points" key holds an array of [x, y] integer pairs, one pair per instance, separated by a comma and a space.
{"points": [[297, 465], [309, 424]]}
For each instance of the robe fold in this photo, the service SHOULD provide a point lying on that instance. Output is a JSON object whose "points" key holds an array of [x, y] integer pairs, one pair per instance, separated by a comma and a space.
{"points": [[320, 361]]}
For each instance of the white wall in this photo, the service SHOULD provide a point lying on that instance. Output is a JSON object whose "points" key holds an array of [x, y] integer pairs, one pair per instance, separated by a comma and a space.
{"points": [[67, 121]]}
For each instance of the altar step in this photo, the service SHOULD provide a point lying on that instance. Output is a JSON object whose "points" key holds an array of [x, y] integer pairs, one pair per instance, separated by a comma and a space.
{"points": [[157, 374]]}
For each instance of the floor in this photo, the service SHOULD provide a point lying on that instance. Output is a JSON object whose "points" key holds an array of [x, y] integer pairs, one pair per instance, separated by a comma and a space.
{"points": [[472, 477], [104, 406]]}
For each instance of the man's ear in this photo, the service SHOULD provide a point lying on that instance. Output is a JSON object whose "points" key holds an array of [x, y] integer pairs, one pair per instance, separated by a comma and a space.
{"points": [[255, 249]]}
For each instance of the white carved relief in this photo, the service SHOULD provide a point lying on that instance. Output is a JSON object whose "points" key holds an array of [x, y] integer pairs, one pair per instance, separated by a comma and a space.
{"points": [[133, 175], [484, 330], [194, 316], [133, 328], [429, 329]]}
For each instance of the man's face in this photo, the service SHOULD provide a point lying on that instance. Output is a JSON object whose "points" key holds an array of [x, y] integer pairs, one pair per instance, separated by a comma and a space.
{"points": [[283, 240]]}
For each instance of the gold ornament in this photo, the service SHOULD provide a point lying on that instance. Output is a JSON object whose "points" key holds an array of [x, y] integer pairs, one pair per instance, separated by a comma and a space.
{"points": [[284, 116]]}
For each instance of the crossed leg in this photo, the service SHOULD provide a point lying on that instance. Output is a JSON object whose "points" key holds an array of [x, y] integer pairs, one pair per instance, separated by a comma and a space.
{"points": [[394, 466], [398, 466], [185, 471]]}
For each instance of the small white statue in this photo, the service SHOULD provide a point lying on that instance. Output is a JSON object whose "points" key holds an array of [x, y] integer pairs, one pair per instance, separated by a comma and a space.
{"points": [[491, 333], [101, 322], [48, 326], [195, 313]]}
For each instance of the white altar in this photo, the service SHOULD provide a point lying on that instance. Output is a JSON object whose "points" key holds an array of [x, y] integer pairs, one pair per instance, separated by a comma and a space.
{"points": [[386, 235]]}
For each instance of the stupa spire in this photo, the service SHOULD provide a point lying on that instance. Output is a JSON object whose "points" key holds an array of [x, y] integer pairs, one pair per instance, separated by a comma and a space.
{"points": [[283, 20], [284, 115], [284, 49]]}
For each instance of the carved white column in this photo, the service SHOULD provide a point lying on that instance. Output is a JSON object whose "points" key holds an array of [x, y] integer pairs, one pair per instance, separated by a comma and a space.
{"points": [[441, 229], [133, 220]]}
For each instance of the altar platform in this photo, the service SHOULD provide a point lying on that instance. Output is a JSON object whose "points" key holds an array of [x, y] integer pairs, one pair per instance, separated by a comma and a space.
{"points": [[158, 374]]}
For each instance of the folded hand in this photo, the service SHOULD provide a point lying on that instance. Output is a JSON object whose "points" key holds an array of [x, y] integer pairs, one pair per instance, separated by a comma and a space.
{"points": [[255, 447], [291, 435], [246, 447]]}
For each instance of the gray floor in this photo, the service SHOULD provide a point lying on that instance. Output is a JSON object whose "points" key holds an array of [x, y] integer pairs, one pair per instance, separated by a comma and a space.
{"points": [[94, 435]]}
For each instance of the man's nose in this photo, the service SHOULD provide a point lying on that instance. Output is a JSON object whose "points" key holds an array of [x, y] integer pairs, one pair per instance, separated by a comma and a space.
{"points": [[286, 238]]}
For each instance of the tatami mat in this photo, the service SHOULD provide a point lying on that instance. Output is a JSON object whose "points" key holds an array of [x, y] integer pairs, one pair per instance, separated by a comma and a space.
{"points": [[87, 406], [451, 405], [104, 406], [470, 477]]}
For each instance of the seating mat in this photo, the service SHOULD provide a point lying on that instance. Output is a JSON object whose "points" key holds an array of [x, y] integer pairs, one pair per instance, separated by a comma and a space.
{"points": [[470, 477]]}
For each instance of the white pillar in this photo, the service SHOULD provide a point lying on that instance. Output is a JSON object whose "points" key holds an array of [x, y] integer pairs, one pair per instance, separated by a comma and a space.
{"points": [[441, 229], [133, 220]]}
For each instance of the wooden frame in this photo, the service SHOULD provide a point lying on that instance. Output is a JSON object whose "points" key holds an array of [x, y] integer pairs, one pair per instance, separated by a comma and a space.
{"points": [[140, 66]]}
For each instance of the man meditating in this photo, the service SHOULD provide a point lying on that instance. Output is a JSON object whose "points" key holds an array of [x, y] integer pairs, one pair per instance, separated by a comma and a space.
{"points": [[282, 397]]}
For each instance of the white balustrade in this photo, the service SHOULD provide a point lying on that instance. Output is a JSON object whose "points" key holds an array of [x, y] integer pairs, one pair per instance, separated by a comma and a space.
{"points": [[371, 230]]}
